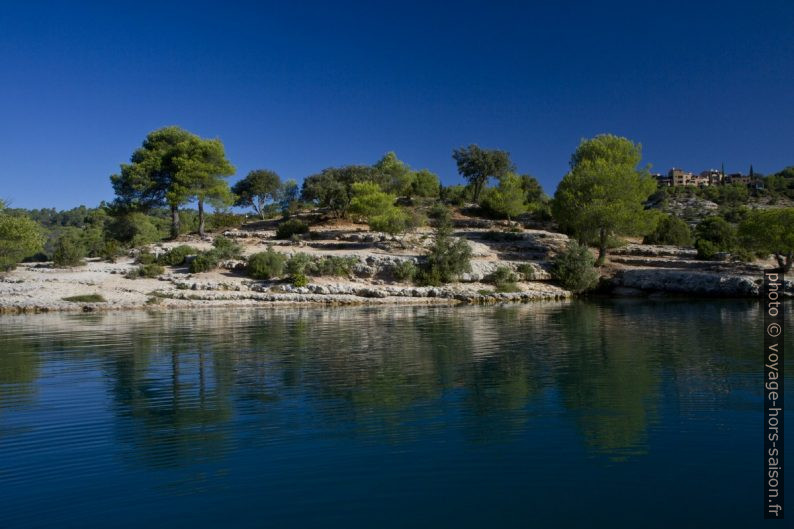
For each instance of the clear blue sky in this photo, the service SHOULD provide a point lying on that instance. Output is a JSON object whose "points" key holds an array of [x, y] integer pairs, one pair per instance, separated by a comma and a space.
{"points": [[297, 87]]}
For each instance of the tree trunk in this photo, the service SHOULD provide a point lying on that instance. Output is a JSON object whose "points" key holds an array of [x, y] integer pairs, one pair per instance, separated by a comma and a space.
{"points": [[174, 222], [602, 248], [201, 217], [260, 208]]}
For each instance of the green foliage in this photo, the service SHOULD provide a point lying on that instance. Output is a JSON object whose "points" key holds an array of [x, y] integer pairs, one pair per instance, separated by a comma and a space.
{"points": [[449, 257], [717, 231], [257, 189], [369, 200], [332, 188], [299, 280], [781, 183], [729, 194], [291, 227], [603, 194], [527, 271], [533, 191], [20, 237], [329, 265], [111, 250], [203, 262], [404, 271], [134, 229], [771, 232], [69, 250], [670, 230], [145, 257], [171, 167], [150, 270], [707, 250], [478, 165], [505, 200], [223, 220], [176, 256], [266, 265], [503, 279], [574, 268], [425, 184], [395, 221], [86, 298], [225, 248], [393, 175], [457, 195]]}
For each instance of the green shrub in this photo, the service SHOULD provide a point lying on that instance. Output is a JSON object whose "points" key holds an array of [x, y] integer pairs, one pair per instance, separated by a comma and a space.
{"points": [[224, 220], [203, 262], [266, 265], [332, 266], [150, 270], [714, 235], [145, 257], [448, 257], [135, 229], [298, 263], [670, 230], [527, 271], [86, 298], [299, 280], [111, 251], [20, 237], [176, 256], [503, 279], [69, 250], [574, 268], [226, 248], [706, 249], [404, 271], [291, 227]]}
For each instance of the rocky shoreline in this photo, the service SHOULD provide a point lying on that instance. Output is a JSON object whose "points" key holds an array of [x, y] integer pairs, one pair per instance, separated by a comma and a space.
{"points": [[636, 270]]}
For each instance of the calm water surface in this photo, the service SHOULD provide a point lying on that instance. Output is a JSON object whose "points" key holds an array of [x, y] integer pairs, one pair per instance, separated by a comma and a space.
{"points": [[613, 414]]}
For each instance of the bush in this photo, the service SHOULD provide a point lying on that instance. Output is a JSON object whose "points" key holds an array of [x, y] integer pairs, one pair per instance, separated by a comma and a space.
{"points": [[457, 195], [404, 271], [291, 227], [226, 248], [135, 229], [266, 265], [220, 220], [706, 249], [714, 235], [574, 268], [145, 257], [203, 262], [69, 250], [332, 266], [503, 279], [298, 263], [176, 256], [527, 271], [670, 230], [20, 237], [301, 263], [86, 298], [299, 280], [448, 257], [150, 270], [111, 250]]}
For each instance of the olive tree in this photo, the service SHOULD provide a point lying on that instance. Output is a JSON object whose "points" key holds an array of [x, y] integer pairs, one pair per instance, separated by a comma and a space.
{"points": [[257, 189], [477, 165]]}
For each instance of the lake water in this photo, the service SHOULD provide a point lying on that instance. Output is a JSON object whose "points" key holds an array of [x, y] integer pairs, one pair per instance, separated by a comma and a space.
{"points": [[576, 414]]}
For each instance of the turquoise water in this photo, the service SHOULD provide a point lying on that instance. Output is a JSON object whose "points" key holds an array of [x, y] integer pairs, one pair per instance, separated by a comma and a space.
{"points": [[611, 414]]}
